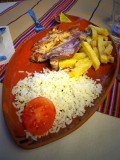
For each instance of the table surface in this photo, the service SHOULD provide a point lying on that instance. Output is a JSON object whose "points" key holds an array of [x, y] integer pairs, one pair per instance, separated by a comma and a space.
{"points": [[97, 139]]}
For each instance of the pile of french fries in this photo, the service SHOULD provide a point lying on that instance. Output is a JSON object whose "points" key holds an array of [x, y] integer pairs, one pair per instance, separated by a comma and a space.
{"points": [[95, 50], [100, 44]]}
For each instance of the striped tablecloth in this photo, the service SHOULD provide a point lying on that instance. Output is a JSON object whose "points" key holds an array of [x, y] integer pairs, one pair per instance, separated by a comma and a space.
{"points": [[22, 28]]}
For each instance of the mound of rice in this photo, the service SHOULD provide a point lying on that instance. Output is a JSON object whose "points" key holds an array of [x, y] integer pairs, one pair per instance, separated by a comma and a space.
{"points": [[69, 95]]}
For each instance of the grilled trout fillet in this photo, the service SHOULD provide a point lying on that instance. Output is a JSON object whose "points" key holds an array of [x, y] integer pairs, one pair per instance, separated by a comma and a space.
{"points": [[56, 45]]}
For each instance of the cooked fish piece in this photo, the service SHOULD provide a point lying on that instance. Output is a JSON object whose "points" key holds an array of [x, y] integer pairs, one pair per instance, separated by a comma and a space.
{"points": [[54, 64], [37, 57], [66, 50], [53, 39], [51, 43]]}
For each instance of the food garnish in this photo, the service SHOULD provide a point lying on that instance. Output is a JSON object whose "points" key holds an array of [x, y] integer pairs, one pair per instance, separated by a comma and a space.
{"points": [[64, 18], [38, 115]]}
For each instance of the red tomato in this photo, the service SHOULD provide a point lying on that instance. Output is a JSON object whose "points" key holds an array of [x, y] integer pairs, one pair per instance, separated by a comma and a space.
{"points": [[39, 115]]}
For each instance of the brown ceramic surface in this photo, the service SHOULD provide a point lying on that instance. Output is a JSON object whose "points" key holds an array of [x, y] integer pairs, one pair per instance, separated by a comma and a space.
{"points": [[20, 62]]}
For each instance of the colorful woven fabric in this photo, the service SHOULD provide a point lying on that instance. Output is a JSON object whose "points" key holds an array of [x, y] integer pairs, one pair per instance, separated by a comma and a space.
{"points": [[46, 20], [111, 104]]}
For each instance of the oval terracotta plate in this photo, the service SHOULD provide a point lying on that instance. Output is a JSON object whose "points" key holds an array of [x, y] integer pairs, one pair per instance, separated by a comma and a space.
{"points": [[20, 62]]}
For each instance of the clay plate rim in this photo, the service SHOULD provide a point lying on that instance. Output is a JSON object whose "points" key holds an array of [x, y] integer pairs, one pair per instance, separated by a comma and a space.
{"points": [[107, 73]]}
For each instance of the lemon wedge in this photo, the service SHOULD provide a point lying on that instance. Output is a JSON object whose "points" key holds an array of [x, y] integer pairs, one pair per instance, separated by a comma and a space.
{"points": [[64, 18]]}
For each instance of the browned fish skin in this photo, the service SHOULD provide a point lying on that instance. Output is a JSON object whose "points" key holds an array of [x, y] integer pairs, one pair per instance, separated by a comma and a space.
{"points": [[64, 51], [37, 57]]}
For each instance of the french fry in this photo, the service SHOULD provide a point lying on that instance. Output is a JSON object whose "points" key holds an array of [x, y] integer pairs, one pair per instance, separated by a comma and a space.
{"points": [[70, 63], [103, 58], [79, 70], [108, 49], [82, 61], [79, 55], [94, 33], [106, 43], [102, 31], [105, 38], [101, 48], [81, 49], [67, 63], [100, 40], [99, 30], [88, 39], [110, 59], [91, 54], [93, 43], [100, 43], [96, 52]]}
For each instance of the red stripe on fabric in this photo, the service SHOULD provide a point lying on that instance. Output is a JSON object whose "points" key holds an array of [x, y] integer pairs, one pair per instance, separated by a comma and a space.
{"points": [[2, 67], [42, 18], [101, 107], [2, 75], [48, 19], [107, 102], [118, 93], [113, 98], [104, 107], [118, 102]]}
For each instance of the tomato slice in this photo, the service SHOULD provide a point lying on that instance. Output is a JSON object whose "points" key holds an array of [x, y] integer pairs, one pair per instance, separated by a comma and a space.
{"points": [[39, 115]]}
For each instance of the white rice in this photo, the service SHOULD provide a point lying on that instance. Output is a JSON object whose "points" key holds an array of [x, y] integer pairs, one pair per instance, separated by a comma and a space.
{"points": [[69, 95]]}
